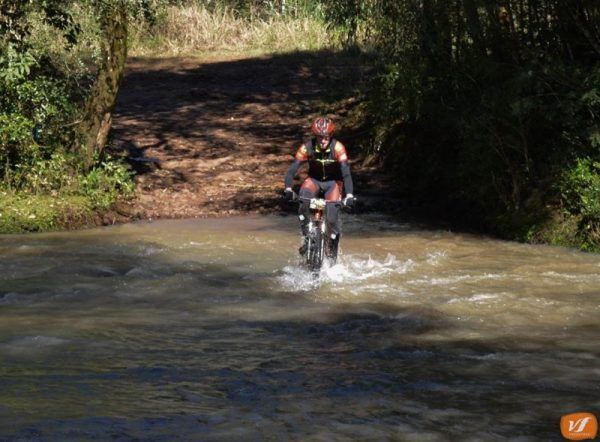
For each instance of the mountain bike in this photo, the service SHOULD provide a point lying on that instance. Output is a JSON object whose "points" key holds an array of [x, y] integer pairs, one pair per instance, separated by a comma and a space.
{"points": [[319, 244]]}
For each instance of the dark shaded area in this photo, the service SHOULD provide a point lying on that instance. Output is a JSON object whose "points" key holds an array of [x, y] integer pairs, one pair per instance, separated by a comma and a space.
{"points": [[350, 362], [199, 98], [482, 111]]}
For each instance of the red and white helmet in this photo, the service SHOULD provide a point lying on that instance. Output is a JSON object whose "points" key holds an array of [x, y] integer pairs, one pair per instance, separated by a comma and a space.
{"points": [[322, 127]]}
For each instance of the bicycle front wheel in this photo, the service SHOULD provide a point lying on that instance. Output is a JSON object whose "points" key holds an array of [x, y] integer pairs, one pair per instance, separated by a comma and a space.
{"points": [[315, 250]]}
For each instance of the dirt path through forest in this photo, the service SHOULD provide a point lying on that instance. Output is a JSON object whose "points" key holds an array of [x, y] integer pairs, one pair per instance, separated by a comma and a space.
{"points": [[214, 137]]}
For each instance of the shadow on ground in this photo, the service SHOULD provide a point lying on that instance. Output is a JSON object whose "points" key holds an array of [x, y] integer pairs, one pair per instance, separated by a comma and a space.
{"points": [[215, 138]]}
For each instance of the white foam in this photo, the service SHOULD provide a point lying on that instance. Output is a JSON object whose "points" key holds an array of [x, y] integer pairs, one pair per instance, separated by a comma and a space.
{"points": [[434, 258], [139, 272], [151, 250], [482, 297], [349, 270], [479, 298], [458, 278], [571, 277], [297, 278]]}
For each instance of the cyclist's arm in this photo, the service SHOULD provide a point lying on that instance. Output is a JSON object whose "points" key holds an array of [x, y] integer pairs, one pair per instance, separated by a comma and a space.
{"points": [[342, 157], [300, 157]]}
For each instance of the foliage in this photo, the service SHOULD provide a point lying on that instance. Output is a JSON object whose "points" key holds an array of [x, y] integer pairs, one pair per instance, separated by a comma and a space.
{"points": [[483, 107], [351, 18], [35, 103], [33, 113], [58, 192], [580, 188], [241, 26], [48, 56], [106, 183], [580, 192], [249, 9]]}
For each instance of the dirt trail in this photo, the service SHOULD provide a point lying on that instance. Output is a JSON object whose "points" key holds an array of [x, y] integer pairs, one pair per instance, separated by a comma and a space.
{"points": [[214, 137]]}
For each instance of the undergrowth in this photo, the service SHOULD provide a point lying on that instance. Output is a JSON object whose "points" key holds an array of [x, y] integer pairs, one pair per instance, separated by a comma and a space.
{"points": [[48, 58], [195, 28], [50, 195]]}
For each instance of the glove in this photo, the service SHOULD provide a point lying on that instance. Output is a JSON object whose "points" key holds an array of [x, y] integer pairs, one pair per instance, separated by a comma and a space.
{"points": [[288, 194], [349, 201]]}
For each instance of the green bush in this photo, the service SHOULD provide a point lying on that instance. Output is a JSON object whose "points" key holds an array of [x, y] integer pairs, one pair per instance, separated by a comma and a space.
{"points": [[15, 140], [57, 193], [107, 183], [34, 120], [480, 108], [580, 195], [48, 55]]}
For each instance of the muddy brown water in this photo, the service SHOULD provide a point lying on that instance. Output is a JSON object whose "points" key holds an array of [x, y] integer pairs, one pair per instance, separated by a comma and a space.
{"points": [[209, 330]]}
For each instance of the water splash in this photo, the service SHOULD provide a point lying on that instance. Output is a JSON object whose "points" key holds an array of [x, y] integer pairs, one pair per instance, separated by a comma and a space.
{"points": [[435, 258], [296, 278], [354, 269], [350, 269]]}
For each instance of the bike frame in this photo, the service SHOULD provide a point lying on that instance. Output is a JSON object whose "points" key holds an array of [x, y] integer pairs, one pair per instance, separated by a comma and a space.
{"points": [[317, 238]]}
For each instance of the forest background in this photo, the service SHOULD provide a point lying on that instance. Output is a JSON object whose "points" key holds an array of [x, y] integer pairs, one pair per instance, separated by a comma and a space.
{"points": [[485, 111]]}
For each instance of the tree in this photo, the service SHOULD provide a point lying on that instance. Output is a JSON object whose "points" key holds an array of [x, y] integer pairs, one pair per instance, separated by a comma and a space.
{"points": [[97, 114]]}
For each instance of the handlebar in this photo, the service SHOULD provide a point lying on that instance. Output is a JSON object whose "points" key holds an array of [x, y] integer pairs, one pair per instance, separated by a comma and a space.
{"points": [[298, 198]]}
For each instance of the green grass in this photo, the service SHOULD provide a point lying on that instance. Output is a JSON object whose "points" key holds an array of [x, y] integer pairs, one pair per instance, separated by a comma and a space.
{"points": [[194, 29], [55, 195], [22, 212]]}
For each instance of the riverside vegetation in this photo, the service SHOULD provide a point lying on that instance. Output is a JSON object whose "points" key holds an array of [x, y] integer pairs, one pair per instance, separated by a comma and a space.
{"points": [[61, 63], [485, 111], [488, 111], [56, 96]]}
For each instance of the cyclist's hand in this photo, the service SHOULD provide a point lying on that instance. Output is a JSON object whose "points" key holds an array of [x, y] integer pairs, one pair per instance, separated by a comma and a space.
{"points": [[349, 201], [288, 194]]}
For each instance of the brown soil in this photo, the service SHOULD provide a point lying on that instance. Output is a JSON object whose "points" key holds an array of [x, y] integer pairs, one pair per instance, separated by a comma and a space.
{"points": [[213, 138]]}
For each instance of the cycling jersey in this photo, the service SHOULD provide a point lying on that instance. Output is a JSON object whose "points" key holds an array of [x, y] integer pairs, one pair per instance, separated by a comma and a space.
{"points": [[329, 164]]}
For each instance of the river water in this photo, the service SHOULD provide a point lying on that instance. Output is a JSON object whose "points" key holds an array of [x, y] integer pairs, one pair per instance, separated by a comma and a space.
{"points": [[208, 330]]}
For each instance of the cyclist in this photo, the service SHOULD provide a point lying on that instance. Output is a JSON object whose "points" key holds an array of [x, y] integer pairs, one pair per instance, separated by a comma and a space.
{"points": [[328, 173]]}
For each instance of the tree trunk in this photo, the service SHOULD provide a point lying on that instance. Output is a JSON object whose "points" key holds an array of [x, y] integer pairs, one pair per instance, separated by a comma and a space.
{"points": [[97, 115], [474, 28]]}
